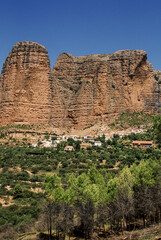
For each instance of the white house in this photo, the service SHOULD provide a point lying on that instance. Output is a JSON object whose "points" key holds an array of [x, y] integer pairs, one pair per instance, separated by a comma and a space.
{"points": [[47, 144], [97, 143]]}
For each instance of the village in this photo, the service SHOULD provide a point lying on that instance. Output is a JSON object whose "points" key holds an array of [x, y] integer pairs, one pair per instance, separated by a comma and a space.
{"points": [[86, 141]]}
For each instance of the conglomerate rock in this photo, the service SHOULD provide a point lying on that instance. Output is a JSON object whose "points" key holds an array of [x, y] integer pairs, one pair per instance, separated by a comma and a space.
{"points": [[24, 85], [157, 90], [78, 91]]}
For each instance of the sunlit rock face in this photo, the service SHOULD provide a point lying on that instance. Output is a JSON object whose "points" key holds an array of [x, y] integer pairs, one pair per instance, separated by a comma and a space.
{"points": [[78, 91], [98, 88], [157, 90], [24, 86]]}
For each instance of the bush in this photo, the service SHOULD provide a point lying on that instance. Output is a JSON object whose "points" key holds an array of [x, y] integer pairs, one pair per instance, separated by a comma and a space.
{"points": [[18, 191]]}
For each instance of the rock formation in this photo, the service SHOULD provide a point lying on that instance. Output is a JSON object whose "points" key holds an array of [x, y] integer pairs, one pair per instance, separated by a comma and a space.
{"points": [[78, 91], [24, 86], [157, 90]]}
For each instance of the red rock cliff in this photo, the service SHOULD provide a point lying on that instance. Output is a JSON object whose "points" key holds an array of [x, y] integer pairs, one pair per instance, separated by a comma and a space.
{"points": [[78, 91], [24, 85], [100, 87]]}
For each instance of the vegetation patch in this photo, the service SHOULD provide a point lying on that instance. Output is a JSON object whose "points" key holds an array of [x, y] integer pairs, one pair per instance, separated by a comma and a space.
{"points": [[89, 126], [128, 120]]}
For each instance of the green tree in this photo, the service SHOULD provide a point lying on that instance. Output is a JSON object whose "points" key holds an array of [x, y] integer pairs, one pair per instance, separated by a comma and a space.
{"points": [[157, 129], [54, 197], [124, 196], [18, 191], [147, 178]]}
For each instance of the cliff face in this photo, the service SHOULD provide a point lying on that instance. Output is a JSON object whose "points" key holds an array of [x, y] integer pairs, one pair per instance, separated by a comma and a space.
{"points": [[100, 87], [157, 90], [24, 85], [78, 91]]}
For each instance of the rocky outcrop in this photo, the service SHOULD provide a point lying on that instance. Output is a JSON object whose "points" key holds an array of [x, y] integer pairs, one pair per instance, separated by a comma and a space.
{"points": [[78, 91], [25, 86], [98, 88], [157, 90]]}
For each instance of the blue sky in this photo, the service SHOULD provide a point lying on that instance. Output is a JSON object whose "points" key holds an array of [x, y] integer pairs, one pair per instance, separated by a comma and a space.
{"points": [[82, 27]]}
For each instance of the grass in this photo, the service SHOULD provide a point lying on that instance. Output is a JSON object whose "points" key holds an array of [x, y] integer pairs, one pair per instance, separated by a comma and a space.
{"points": [[127, 120], [150, 233], [32, 126], [28, 236]]}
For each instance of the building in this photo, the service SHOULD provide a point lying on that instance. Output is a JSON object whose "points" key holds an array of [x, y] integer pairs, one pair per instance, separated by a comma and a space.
{"points": [[47, 144], [97, 143], [68, 148], [85, 145], [88, 140], [142, 144]]}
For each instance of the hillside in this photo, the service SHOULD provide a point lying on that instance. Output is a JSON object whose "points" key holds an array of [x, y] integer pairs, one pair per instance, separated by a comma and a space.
{"points": [[125, 124], [128, 177]]}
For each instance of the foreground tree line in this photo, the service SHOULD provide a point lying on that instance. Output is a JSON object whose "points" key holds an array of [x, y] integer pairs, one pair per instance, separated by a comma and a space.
{"points": [[95, 200]]}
